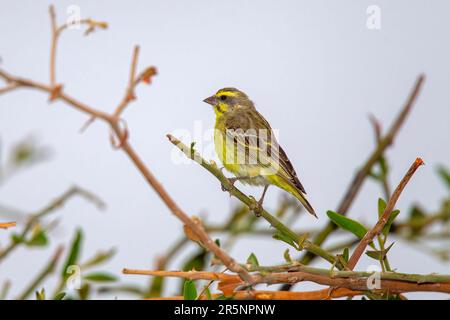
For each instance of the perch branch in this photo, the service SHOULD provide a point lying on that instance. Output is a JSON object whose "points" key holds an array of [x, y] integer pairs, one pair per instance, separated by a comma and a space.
{"points": [[114, 123], [277, 224], [394, 282]]}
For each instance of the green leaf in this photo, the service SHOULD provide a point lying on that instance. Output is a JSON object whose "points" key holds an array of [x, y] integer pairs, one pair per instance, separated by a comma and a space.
{"points": [[40, 295], [156, 287], [197, 261], [287, 256], [189, 291], [347, 224], [445, 175], [74, 252], [208, 294], [100, 277], [99, 258], [60, 296], [381, 207], [388, 224], [384, 167], [252, 260], [38, 239], [16, 238], [416, 213], [379, 254]]}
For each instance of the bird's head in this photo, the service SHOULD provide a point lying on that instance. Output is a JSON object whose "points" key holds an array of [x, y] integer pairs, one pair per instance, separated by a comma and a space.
{"points": [[228, 99]]}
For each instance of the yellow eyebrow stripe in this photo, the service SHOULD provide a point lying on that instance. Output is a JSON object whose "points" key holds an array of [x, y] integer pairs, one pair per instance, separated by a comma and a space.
{"points": [[227, 93]]}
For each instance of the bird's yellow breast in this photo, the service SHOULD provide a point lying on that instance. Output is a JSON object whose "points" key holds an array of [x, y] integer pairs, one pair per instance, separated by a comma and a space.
{"points": [[228, 154]]}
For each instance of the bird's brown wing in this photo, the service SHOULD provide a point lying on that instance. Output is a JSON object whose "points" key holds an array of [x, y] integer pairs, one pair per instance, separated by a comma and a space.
{"points": [[289, 168], [246, 120]]}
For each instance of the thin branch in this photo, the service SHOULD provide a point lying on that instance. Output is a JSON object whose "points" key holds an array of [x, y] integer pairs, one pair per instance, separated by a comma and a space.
{"points": [[376, 230], [54, 41], [129, 92], [278, 295], [9, 87], [362, 174]]}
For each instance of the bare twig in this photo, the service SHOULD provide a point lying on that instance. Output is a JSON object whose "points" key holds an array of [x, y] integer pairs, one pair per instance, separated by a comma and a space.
{"points": [[9, 87], [376, 230], [113, 121]]}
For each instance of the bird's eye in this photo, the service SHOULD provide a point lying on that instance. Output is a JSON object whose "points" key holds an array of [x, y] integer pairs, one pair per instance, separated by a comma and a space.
{"points": [[223, 98]]}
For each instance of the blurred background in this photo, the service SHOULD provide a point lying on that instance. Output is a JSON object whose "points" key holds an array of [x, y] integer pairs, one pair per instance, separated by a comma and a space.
{"points": [[316, 71]]}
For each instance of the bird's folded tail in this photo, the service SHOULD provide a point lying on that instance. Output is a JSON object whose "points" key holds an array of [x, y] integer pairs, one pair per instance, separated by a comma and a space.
{"points": [[302, 198]]}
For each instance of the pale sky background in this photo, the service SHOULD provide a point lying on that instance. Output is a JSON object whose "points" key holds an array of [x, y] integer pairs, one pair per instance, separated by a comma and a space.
{"points": [[314, 70]]}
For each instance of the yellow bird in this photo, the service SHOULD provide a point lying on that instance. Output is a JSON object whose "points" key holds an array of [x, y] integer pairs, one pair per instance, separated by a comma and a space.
{"points": [[247, 147]]}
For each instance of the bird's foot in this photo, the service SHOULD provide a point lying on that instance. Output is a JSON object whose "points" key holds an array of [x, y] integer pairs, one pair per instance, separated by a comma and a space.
{"points": [[256, 207], [231, 182]]}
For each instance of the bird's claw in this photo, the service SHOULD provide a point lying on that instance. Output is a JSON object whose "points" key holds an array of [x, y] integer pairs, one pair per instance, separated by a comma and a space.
{"points": [[231, 181], [256, 207]]}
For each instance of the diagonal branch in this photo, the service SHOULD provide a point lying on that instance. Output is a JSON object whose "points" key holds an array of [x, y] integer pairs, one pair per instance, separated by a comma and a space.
{"points": [[277, 224], [121, 134]]}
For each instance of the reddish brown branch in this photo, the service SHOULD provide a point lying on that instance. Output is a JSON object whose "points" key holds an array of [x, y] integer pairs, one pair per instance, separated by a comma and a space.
{"points": [[132, 83], [6, 225], [279, 295], [349, 280]]}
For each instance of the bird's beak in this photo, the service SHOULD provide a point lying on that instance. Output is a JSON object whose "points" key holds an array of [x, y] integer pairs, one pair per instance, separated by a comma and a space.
{"points": [[211, 100]]}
